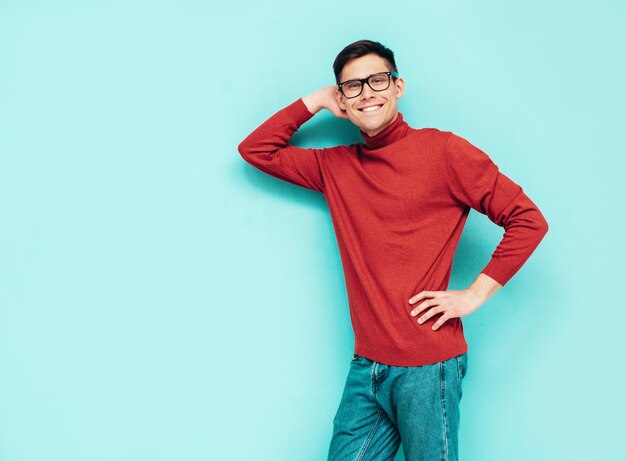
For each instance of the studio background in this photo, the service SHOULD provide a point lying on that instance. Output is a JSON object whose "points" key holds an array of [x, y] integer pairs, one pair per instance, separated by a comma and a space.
{"points": [[160, 299]]}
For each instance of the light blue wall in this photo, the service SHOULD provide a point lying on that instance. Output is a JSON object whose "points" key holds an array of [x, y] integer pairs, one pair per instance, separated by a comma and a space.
{"points": [[160, 299]]}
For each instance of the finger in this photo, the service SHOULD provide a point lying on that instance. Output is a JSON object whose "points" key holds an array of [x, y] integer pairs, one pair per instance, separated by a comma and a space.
{"points": [[429, 314], [421, 295], [440, 321], [422, 306]]}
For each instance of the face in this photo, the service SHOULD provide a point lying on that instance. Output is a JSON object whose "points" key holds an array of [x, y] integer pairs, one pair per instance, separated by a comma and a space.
{"points": [[384, 103]]}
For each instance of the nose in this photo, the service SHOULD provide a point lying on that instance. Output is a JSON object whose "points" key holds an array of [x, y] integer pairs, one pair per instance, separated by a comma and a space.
{"points": [[366, 92]]}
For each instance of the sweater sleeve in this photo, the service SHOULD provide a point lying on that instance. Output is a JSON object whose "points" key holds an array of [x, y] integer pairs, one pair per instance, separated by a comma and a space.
{"points": [[267, 149], [475, 180]]}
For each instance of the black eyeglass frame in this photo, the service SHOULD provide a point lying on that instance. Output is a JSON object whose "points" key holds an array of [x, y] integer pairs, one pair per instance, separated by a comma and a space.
{"points": [[365, 80]]}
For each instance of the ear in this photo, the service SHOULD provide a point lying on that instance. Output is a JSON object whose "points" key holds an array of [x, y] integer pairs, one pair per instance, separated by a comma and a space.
{"points": [[399, 87], [339, 99]]}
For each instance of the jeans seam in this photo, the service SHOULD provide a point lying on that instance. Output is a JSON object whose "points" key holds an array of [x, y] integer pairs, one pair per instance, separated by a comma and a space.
{"points": [[370, 436], [442, 380], [373, 371]]}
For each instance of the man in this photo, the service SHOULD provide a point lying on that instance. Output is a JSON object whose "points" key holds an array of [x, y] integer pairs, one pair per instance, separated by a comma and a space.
{"points": [[398, 204]]}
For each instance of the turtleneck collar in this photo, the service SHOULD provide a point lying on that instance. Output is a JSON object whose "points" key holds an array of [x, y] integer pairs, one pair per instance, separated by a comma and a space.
{"points": [[394, 132]]}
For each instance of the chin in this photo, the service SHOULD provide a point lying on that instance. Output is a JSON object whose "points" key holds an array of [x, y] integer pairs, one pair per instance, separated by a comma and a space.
{"points": [[366, 125], [371, 129], [374, 127]]}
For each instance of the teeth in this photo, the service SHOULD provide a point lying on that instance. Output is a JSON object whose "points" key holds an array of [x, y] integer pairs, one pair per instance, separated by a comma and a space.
{"points": [[371, 108]]}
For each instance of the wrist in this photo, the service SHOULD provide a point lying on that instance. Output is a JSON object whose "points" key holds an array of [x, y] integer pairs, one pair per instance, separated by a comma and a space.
{"points": [[484, 287], [312, 102]]}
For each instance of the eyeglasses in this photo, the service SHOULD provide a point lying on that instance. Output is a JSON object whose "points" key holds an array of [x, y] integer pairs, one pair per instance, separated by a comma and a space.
{"points": [[377, 82]]}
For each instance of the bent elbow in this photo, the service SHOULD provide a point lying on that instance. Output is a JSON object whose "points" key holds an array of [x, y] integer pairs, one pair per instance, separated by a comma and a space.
{"points": [[542, 224], [247, 151], [243, 149], [541, 227]]}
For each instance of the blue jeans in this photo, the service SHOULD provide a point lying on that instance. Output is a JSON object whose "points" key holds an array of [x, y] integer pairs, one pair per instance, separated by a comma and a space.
{"points": [[383, 405]]}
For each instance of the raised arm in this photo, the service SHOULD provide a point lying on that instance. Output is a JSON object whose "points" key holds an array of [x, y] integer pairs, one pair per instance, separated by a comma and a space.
{"points": [[267, 148]]}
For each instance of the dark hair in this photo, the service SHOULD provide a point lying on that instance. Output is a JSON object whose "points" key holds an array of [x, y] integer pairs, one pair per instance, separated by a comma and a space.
{"points": [[361, 48]]}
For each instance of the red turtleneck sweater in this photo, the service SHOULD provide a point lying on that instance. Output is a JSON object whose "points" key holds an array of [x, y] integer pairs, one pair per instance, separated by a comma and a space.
{"points": [[398, 204]]}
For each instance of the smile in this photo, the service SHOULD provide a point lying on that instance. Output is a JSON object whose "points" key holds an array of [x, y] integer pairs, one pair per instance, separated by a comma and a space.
{"points": [[371, 108]]}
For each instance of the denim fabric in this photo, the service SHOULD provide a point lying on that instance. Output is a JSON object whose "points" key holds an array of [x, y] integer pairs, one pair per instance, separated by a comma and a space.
{"points": [[383, 405]]}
